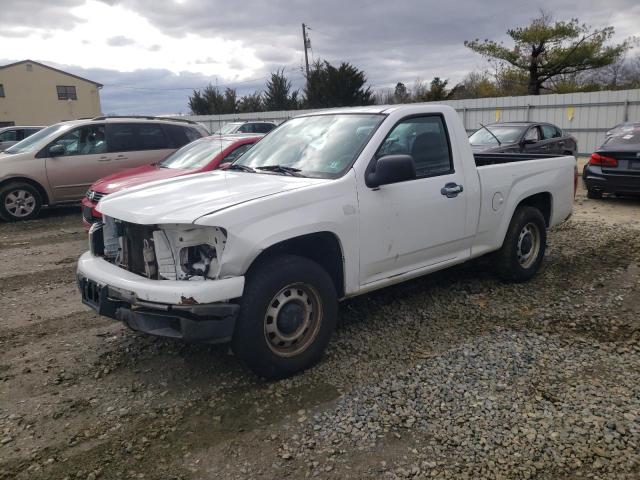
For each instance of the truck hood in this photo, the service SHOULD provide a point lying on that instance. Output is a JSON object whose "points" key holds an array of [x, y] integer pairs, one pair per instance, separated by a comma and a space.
{"points": [[187, 198]]}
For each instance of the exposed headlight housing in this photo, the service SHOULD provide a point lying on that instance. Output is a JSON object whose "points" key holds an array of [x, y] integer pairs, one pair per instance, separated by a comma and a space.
{"points": [[191, 253]]}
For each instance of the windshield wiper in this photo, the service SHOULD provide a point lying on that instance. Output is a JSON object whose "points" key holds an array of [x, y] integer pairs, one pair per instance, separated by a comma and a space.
{"points": [[242, 168], [499, 142], [281, 169]]}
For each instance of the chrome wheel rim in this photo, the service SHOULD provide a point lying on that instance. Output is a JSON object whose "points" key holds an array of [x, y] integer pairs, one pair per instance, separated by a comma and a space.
{"points": [[292, 319], [20, 203], [528, 246]]}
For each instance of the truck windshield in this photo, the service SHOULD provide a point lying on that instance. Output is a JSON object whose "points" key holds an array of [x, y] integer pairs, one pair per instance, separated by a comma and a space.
{"points": [[33, 142], [321, 146], [506, 134]]}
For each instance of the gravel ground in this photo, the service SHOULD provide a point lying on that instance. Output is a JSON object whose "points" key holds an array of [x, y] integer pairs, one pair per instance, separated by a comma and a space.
{"points": [[455, 375]]}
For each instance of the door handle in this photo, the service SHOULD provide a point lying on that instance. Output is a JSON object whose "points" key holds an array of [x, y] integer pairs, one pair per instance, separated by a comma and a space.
{"points": [[121, 157], [104, 159], [451, 190]]}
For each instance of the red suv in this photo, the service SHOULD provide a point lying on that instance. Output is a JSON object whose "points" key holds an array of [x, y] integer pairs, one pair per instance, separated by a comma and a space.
{"points": [[202, 155]]}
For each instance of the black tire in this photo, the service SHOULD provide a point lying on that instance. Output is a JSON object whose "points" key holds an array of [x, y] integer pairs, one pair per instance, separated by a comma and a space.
{"points": [[19, 201], [514, 262], [594, 194], [263, 321]]}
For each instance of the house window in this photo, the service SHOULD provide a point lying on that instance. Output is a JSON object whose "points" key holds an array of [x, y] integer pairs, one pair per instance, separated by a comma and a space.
{"points": [[1, 90], [66, 92]]}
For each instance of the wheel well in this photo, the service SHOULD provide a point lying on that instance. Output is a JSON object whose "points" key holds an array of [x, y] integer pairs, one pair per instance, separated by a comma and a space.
{"points": [[541, 201], [33, 183], [321, 247]]}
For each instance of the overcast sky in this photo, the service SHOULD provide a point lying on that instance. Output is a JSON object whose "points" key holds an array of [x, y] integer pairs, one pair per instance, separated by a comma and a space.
{"points": [[150, 54]]}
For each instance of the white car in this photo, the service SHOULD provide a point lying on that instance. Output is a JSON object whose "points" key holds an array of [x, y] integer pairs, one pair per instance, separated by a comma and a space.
{"points": [[329, 206]]}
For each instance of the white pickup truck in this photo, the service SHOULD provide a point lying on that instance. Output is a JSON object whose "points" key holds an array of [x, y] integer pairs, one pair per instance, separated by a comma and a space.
{"points": [[329, 205]]}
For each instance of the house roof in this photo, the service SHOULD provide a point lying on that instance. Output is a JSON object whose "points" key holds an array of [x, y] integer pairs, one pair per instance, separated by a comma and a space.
{"points": [[99, 85]]}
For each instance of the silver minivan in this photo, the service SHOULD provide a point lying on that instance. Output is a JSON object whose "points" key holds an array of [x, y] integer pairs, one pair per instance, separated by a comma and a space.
{"points": [[58, 163]]}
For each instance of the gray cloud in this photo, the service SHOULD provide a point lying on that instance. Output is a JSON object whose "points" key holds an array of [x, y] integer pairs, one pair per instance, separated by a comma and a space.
{"points": [[120, 41], [390, 41], [40, 14]]}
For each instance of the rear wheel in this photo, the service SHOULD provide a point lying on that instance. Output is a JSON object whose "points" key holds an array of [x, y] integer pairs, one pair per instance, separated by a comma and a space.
{"points": [[19, 201], [523, 249], [287, 315]]}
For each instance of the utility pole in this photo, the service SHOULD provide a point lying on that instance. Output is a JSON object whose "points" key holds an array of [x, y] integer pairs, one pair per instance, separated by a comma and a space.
{"points": [[307, 44]]}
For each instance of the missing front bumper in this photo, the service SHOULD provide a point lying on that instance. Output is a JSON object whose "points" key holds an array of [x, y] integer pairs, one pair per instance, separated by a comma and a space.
{"points": [[199, 323]]}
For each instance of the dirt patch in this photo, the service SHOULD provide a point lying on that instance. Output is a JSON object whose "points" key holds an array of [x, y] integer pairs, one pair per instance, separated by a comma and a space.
{"points": [[84, 397]]}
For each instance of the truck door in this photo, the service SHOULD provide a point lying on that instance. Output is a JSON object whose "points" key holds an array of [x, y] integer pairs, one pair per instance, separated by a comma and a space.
{"points": [[410, 225]]}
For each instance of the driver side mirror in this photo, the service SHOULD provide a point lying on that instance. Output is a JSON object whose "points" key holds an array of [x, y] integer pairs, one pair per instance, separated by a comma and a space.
{"points": [[529, 141], [391, 169], [56, 150]]}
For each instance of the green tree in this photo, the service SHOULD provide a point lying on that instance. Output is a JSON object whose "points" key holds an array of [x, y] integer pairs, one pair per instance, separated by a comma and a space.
{"points": [[210, 101], [230, 101], [436, 91], [401, 94], [476, 85], [197, 104], [545, 49], [252, 102], [329, 86], [278, 95]]}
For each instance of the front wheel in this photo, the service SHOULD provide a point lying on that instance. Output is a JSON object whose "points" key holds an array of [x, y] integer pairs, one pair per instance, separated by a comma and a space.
{"points": [[287, 315], [523, 249], [19, 201]]}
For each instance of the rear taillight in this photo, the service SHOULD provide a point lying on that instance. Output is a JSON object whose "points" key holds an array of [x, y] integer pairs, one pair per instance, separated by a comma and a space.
{"points": [[602, 161]]}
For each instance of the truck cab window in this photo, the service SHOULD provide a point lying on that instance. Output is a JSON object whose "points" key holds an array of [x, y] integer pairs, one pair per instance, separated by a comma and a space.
{"points": [[425, 139]]}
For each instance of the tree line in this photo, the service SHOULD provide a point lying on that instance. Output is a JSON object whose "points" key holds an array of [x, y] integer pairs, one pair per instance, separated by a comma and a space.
{"points": [[546, 56], [327, 86]]}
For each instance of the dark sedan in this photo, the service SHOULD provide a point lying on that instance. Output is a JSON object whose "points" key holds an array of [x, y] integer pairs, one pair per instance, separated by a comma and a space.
{"points": [[615, 166], [522, 137]]}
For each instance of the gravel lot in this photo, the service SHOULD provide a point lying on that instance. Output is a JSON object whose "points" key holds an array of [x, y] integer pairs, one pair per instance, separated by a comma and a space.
{"points": [[455, 375]]}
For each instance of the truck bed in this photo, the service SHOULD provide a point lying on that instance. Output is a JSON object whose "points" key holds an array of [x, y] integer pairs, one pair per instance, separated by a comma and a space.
{"points": [[484, 159]]}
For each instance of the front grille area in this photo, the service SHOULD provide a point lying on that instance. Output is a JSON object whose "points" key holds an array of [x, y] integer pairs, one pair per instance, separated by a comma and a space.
{"points": [[95, 196], [128, 245], [132, 258]]}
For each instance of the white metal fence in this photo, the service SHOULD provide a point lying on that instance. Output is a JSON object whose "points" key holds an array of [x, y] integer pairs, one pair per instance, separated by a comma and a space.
{"points": [[587, 116]]}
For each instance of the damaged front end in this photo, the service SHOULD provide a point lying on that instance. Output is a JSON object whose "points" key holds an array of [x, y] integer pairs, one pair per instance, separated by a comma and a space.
{"points": [[167, 252], [173, 257]]}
